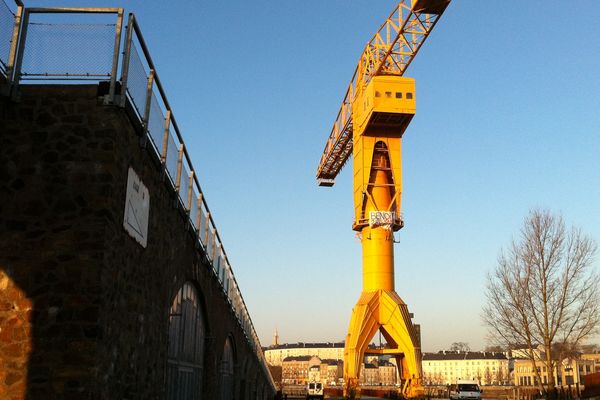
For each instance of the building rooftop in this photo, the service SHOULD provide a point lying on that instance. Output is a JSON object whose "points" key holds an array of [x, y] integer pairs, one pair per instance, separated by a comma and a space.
{"points": [[302, 345], [468, 355], [297, 358]]}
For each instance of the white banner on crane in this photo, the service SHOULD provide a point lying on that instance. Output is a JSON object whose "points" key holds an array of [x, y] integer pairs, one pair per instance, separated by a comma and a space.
{"points": [[384, 219]]}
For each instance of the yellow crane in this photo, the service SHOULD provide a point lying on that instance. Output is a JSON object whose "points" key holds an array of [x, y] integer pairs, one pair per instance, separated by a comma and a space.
{"points": [[377, 108]]}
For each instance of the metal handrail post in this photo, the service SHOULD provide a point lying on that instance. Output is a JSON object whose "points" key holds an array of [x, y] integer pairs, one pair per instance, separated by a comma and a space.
{"points": [[229, 280], [189, 193], [199, 205], [165, 143], [214, 246], [226, 283], [217, 263], [179, 168], [16, 73], [13, 44], [146, 117], [110, 99], [126, 60], [206, 226]]}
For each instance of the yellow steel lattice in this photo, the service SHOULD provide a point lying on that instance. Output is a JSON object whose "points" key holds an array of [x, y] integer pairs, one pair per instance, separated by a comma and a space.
{"points": [[389, 52]]}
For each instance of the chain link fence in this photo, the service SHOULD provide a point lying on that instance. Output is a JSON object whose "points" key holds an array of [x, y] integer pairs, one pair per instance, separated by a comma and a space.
{"points": [[137, 81], [68, 44], [7, 23], [57, 50]]}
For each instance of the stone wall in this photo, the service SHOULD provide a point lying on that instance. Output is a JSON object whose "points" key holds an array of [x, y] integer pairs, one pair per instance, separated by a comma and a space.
{"points": [[83, 307]]}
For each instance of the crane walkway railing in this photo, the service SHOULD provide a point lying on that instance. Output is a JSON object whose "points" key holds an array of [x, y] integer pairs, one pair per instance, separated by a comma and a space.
{"points": [[72, 45]]}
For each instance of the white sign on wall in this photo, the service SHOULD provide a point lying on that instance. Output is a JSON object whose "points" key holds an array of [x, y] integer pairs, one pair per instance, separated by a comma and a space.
{"points": [[137, 208]]}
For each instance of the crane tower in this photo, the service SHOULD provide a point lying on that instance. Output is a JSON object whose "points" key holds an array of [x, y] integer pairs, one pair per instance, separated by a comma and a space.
{"points": [[377, 108]]}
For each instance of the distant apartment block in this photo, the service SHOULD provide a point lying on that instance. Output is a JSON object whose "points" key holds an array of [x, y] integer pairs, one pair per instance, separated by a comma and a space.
{"points": [[595, 358], [444, 368], [382, 373], [388, 374], [276, 353], [567, 372], [297, 370]]}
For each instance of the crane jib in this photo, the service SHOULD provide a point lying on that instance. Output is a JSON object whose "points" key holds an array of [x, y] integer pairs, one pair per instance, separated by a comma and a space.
{"points": [[390, 52]]}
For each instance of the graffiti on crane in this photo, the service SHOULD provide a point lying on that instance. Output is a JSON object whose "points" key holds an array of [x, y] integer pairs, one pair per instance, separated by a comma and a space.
{"points": [[384, 219]]}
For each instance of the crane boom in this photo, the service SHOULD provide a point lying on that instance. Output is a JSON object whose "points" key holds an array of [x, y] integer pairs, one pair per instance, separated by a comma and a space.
{"points": [[389, 52]]}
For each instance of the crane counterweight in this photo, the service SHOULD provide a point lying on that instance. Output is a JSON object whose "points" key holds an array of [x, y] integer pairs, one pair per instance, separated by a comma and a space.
{"points": [[430, 6]]}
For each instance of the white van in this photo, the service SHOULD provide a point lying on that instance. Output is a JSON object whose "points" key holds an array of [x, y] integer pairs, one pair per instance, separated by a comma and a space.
{"points": [[465, 389], [314, 390]]}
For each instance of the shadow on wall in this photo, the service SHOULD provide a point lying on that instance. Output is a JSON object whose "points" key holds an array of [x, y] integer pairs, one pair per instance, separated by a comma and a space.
{"points": [[49, 293], [55, 190]]}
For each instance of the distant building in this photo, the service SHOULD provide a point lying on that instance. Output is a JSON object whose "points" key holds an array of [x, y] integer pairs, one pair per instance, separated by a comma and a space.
{"points": [[378, 371], [387, 373], [567, 372], [314, 373], [301, 369], [275, 354], [369, 374], [332, 372], [445, 367], [294, 370], [595, 357]]}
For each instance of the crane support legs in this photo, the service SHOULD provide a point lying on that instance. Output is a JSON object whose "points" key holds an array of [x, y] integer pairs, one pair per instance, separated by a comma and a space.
{"points": [[379, 307], [384, 311]]}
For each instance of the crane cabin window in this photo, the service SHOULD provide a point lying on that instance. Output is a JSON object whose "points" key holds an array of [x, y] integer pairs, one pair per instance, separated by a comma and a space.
{"points": [[398, 95], [409, 95]]}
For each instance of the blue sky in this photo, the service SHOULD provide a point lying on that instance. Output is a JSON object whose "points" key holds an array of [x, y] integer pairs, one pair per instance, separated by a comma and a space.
{"points": [[508, 118]]}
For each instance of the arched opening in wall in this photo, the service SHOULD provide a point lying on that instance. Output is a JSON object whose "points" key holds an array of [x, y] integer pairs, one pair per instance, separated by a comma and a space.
{"points": [[259, 388], [264, 392], [251, 382], [256, 384], [246, 379], [226, 371], [187, 332]]}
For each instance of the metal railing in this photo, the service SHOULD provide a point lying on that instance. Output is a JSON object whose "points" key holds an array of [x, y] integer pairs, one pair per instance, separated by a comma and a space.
{"points": [[10, 22], [141, 87]]}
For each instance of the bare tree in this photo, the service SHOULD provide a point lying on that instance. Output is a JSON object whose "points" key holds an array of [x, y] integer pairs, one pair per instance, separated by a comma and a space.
{"points": [[494, 349], [500, 376], [544, 291], [460, 346], [487, 376]]}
